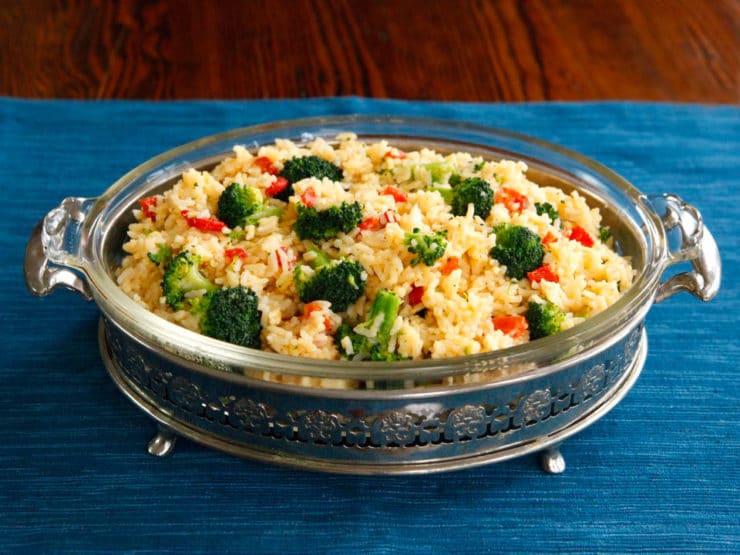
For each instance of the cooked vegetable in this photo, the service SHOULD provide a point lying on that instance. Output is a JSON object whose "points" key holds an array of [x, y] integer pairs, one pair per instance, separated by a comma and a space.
{"points": [[544, 272], [266, 165], [148, 205], [515, 326], [473, 190], [231, 315], [438, 171], [236, 252], [277, 187], [318, 225], [546, 208], [370, 340], [513, 200], [397, 194], [518, 248], [341, 281], [544, 319], [428, 247], [604, 234], [162, 256], [300, 168], [203, 224], [182, 276], [240, 205], [581, 235]]}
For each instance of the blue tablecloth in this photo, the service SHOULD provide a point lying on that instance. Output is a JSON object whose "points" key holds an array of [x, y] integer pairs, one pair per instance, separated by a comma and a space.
{"points": [[660, 472]]}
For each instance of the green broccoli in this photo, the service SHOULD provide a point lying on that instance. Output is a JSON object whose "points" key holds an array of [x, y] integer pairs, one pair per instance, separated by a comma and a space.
{"points": [[182, 276], [546, 208], [341, 282], [370, 339], [518, 248], [240, 205], [428, 248], [325, 224], [231, 315], [439, 170], [544, 319], [162, 256], [604, 234], [300, 168], [472, 190]]}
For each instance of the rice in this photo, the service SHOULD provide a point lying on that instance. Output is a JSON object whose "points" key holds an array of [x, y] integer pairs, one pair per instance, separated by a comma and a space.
{"points": [[460, 299]]}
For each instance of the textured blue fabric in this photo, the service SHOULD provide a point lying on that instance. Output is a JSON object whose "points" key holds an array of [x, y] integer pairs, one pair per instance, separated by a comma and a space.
{"points": [[661, 472]]}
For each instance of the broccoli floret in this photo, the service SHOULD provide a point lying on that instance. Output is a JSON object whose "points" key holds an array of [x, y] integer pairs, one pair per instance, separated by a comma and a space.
{"points": [[604, 234], [439, 170], [162, 256], [318, 225], [518, 248], [296, 169], [240, 205], [472, 190], [231, 315], [546, 208], [428, 247], [370, 339], [182, 276], [341, 282], [544, 319]]}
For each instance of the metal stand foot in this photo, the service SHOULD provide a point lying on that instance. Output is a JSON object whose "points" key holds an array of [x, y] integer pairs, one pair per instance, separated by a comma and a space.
{"points": [[163, 443], [551, 461]]}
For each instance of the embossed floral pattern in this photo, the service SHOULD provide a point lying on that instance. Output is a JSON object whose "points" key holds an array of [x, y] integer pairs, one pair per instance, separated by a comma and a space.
{"points": [[185, 394], [318, 425], [250, 415], [593, 380], [537, 405], [396, 427], [467, 421], [389, 429]]}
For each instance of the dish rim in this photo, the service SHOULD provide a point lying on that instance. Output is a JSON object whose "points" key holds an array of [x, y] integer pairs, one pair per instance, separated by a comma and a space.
{"points": [[541, 357]]}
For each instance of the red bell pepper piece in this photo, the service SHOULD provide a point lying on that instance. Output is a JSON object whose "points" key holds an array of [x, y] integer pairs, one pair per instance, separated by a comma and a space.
{"points": [[581, 235], [514, 326], [277, 186], [452, 263], [544, 272], [309, 197], [513, 200], [229, 254], [395, 153], [266, 165], [416, 294], [549, 238], [312, 307], [397, 194], [371, 223], [147, 207], [204, 224]]}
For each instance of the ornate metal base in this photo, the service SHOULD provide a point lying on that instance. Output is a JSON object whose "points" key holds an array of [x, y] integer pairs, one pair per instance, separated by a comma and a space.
{"points": [[545, 444]]}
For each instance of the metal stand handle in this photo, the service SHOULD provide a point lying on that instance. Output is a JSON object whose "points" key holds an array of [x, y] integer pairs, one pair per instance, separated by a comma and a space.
{"points": [[690, 241], [53, 249]]}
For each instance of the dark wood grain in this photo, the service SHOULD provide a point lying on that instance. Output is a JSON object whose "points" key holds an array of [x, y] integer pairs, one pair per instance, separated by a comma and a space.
{"points": [[508, 50]]}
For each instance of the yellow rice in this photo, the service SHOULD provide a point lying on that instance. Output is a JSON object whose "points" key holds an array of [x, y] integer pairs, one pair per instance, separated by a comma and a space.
{"points": [[459, 307]]}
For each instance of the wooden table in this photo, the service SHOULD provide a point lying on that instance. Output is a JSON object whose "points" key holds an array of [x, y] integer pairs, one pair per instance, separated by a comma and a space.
{"points": [[508, 50]]}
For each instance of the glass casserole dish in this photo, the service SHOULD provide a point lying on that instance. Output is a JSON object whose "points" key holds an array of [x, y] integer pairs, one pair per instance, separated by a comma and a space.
{"points": [[366, 417]]}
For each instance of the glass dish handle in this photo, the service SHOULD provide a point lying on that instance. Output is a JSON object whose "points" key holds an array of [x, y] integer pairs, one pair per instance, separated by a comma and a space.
{"points": [[52, 254], [688, 240]]}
